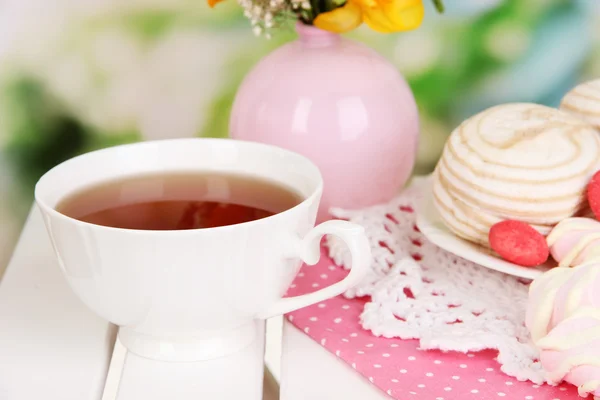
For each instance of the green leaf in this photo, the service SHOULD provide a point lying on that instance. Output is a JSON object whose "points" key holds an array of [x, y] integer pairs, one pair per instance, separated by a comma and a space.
{"points": [[42, 147], [439, 5]]}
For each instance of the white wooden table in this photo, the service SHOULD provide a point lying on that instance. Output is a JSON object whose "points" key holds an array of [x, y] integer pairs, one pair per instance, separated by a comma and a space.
{"points": [[51, 346]]}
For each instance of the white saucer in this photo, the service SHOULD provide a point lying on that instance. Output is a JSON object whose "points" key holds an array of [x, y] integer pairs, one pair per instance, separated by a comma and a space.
{"points": [[431, 225]]}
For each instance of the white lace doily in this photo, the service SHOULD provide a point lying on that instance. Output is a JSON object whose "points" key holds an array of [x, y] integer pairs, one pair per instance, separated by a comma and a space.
{"points": [[419, 291]]}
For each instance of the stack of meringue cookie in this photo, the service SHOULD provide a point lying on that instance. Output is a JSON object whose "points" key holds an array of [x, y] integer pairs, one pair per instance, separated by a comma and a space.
{"points": [[520, 178], [563, 317], [515, 161], [537, 166], [519, 162], [563, 310]]}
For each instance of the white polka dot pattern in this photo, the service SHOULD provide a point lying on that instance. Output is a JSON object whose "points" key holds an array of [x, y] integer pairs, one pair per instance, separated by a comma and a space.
{"points": [[398, 367]]}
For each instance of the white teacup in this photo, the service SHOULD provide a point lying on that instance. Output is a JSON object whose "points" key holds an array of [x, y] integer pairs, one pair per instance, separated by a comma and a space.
{"points": [[194, 295]]}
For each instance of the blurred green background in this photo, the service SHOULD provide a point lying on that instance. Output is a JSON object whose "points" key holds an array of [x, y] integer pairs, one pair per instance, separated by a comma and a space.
{"points": [[77, 75]]}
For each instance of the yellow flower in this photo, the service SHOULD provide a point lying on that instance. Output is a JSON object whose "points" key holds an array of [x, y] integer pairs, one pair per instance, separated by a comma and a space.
{"points": [[384, 16]]}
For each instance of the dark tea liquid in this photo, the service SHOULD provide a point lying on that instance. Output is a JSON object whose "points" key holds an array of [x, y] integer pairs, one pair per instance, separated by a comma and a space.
{"points": [[179, 201]]}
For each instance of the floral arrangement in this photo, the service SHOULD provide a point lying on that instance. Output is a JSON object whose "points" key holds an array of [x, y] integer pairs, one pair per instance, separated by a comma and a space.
{"points": [[339, 16]]}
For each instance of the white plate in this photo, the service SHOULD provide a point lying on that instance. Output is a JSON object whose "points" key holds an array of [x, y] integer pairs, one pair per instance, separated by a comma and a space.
{"points": [[431, 225]]}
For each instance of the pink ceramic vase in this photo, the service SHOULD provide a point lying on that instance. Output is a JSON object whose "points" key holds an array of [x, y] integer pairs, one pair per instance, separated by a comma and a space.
{"points": [[342, 105]]}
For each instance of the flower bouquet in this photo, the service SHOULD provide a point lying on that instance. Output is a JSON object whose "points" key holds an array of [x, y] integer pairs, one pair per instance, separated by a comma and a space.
{"points": [[337, 16]]}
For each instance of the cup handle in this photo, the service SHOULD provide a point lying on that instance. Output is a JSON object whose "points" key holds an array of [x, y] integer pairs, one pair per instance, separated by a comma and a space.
{"points": [[310, 252]]}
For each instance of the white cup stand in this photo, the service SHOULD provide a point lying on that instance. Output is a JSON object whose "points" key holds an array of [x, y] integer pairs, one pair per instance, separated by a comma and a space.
{"points": [[132, 377]]}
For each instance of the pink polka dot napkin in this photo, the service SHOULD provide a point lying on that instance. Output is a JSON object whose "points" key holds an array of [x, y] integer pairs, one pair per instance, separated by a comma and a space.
{"points": [[398, 367]]}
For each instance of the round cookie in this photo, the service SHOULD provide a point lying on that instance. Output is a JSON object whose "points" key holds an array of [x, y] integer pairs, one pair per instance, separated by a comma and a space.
{"points": [[584, 102], [520, 161]]}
